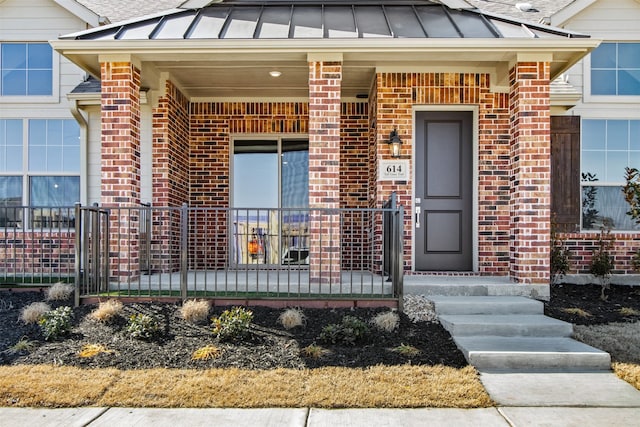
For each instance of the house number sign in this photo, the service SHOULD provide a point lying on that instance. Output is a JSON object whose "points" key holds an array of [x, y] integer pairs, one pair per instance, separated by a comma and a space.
{"points": [[393, 170]]}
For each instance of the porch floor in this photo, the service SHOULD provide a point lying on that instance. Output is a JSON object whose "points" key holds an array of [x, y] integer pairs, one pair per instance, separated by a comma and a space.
{"points": [[294, 282], [471, 285]]}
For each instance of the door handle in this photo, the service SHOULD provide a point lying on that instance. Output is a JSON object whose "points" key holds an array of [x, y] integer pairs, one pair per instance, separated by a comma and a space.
{"points": [[418, 210]]}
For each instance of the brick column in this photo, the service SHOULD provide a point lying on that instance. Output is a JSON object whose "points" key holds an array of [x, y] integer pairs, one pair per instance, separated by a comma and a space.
{"points": [[120, 163], [325, 76], [530, 152], [170, 175]]}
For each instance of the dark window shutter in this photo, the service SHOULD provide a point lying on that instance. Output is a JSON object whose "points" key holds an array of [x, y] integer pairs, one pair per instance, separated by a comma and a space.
{"points": [[565, 172]]}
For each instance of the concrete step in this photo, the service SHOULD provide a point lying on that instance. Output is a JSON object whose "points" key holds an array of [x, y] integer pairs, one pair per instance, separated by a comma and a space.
{"points": [[486, 305], [523, 353], [506, 325]]}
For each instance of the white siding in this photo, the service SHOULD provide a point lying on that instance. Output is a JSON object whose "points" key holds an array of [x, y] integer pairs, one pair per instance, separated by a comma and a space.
{"points": [[41, 21], [610, 20], [93, 155]]}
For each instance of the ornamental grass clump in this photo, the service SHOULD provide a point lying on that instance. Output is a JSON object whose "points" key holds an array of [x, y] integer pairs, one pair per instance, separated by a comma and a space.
{"points": [[386, 322], [59, 292], [107, 311], [25, 345], [348, 332], [34, 312], [91, 350], [206, 353], [232, 324], [195, 311], [291, 318], [56, 323], [142, 327]]}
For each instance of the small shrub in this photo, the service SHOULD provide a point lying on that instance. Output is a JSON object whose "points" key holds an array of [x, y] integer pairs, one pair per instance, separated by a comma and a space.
{"points": [[142, 327], [407, 350], [560, 256], [34, 312], [233, 323], [350, 331], [194, 311], [314, 351], [23, 346], [91, 350], [602, 262], [59, 292], [207, 352], [577, 312], [291, 318], [386, 322], [628, 311], [107, 311], [56, 323]]}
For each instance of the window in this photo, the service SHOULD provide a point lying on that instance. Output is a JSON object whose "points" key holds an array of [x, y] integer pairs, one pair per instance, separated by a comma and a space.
{"points": [[40, 169], [608, 146], [27, 69], [269, 175], [615, 69]]}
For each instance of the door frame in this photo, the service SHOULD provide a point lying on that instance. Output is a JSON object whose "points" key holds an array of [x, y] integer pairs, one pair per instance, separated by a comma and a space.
{"points": [[474, 109]]}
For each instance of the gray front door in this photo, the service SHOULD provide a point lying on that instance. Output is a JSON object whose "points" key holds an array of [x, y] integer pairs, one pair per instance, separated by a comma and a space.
{"points": [[444, 191]]}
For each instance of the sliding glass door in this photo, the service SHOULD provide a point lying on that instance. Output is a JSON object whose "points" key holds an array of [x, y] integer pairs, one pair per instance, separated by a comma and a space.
{"points": [[270, 194]]}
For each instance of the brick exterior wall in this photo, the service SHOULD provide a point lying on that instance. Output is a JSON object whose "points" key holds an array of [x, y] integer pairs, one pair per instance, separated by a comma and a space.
{"points": [[354, 185], [325, 80], [38, 253], [120, 115], [582, 246], [530, 148], [393, 97]]}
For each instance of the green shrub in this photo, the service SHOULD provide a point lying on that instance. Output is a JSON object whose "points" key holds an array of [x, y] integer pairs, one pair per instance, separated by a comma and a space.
{"points": [[56, 323], [601, 265], [142, 327], [233, 323], [560, 256], [349, 332]]}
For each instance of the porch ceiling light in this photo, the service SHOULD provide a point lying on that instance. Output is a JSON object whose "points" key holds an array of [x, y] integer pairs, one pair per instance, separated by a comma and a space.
{"points": [[275, 73], [394, 142]]}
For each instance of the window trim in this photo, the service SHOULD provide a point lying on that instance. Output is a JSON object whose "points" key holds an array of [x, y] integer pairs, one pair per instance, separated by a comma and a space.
{"points": [[583, 184], [26, 175], [586, 92], [55, 81]]}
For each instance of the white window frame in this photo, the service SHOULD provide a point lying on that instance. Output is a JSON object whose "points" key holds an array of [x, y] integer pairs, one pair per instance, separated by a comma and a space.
{"points": [[616, 184], [586, 73], [55, 80]]}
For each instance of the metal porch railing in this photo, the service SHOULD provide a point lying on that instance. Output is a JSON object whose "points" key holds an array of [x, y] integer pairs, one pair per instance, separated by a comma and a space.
{"points": [[37, 244], [233, 253]]}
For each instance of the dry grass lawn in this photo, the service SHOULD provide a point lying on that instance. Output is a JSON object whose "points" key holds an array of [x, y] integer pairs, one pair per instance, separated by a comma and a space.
{"points": [[379, 386], [630, 372]]}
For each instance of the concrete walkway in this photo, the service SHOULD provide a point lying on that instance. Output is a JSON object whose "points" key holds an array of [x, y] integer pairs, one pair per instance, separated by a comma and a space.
{"points": [[303, 417]]}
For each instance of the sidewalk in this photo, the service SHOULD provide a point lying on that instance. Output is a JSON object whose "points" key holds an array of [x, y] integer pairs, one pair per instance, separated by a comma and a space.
{"points": [[500, 416]]}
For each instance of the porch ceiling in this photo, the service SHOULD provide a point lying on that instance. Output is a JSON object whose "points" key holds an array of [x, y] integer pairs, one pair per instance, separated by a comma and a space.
{"points": [[226, 50]]}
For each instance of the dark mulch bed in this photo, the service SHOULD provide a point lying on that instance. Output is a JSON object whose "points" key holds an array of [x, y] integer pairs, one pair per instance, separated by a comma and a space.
{"points": [[268, 346], [587, 298]]}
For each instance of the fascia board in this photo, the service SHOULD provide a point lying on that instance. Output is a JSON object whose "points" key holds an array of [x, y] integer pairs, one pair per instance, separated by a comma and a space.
{"points": [[304, 46], [80, 11]]}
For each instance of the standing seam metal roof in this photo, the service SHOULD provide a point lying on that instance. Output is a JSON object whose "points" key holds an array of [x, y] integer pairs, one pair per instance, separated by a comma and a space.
{"points": [[318, 20]]}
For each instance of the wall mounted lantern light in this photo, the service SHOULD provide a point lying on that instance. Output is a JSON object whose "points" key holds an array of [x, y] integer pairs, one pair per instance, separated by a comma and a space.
{"points": [[394, 142]]}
